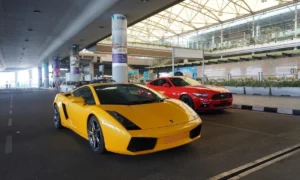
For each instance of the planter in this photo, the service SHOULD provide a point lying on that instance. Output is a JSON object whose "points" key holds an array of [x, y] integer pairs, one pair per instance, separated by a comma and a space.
{"points": [[258, 90], [285, 91], [236, 90]]}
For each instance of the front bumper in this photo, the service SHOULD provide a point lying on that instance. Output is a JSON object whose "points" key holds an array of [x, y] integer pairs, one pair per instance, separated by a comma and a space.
{"points": [[209, 104], [152, 140]]}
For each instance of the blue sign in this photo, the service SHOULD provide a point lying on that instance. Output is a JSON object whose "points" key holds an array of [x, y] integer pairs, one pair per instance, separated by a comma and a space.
{"points": [[146, 75], [190, 71], [119, 58]]}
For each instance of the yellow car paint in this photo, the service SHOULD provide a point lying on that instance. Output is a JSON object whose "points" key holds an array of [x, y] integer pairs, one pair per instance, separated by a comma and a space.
{"points": [[154, 119]]}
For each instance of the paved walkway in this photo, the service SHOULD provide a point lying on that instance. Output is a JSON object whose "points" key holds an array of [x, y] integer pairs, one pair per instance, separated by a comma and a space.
{"points": [[267, 101]]}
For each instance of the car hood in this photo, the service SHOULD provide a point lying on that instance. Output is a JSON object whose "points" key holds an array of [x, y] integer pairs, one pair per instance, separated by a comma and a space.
{"points": [[154, 115], [215, 89]]}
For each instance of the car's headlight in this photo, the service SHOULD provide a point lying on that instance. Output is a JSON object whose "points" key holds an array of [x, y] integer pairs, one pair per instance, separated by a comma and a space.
{"points": [[124, 121], [200, 95]]}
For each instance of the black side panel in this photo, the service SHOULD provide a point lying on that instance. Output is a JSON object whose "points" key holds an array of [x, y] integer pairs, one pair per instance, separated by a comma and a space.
{"points": [[65, 111]]}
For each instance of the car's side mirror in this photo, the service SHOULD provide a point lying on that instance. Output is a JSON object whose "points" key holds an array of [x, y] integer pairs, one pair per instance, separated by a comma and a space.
{"points": [[77, 100], [166, 85]]}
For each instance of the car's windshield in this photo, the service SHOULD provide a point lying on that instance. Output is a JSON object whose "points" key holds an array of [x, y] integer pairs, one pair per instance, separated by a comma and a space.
{"points": [[184, 81], [126, 94], [70, 83]]}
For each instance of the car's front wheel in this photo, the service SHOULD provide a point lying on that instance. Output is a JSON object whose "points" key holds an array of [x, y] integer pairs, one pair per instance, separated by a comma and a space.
{"points": [[56, 118], [188, 100], [95, 135]]}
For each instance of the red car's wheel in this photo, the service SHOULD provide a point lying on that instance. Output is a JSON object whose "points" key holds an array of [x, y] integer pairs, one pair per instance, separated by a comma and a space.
{"points": [[188, 100]]}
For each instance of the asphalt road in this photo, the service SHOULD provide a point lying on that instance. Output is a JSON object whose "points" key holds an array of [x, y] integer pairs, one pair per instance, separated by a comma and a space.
{"points": [[30, 148]]}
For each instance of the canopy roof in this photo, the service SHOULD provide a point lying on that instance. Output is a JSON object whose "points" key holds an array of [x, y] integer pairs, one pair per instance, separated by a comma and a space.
{"points": [[192, 15]]}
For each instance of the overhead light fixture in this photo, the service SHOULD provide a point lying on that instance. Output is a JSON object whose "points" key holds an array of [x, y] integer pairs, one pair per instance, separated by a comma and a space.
{"points": [[37, 11], [101, 27], [30, 29]]}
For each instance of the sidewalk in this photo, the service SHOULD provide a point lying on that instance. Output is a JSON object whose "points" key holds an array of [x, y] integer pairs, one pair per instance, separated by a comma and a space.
{"points": [[283, 105]]}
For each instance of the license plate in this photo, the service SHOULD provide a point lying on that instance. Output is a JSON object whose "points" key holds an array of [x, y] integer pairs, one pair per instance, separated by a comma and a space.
{"points": [[224, 102], [174, 138]]}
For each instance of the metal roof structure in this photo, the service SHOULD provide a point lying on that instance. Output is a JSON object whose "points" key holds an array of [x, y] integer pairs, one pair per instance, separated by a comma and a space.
{"points": [[192, 15]]}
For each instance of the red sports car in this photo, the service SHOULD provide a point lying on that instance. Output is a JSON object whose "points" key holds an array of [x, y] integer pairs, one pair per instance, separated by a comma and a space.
{"points": [[191, 92]]}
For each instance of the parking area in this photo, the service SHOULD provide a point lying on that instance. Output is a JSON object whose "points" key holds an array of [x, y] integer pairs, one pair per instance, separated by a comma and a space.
{"points": [[30, 147]]}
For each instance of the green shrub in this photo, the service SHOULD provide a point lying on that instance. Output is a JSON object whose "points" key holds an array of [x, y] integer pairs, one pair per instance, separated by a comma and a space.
{"points": [[254, 83]]}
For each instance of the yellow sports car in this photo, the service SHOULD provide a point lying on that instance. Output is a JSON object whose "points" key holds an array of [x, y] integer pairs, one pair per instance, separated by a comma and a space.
{"points": [[126, 118]]}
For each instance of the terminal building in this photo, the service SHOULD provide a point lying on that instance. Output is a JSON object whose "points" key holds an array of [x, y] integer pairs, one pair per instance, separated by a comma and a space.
{"points": [[226, 72]]}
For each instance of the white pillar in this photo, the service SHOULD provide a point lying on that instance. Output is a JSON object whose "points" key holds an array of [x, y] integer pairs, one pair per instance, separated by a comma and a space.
{"points": [[119, 48], [74, 63], [253, 28], [296, 19], [56, 70], [203, 68], [30, 77], [92, 74], [46, 74], [40, 76], [173, 62], [16, 79], [221, 35]]}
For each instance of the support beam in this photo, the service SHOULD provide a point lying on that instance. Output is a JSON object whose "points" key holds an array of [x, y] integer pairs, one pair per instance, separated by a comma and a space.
{"points": [[296, 18], [173, 62]]}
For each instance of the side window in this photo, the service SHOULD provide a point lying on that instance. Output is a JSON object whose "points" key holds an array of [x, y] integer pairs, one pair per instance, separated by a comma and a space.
{"points": [[161, 82], [77, 93], [87, 95], [154, 83]]}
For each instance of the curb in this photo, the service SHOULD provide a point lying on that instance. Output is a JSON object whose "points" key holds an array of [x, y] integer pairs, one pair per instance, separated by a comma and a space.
{"points": [[294, 112]]}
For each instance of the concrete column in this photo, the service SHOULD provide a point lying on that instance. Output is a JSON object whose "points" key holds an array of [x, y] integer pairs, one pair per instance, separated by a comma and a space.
{"points": [[296, 19], [40, 76], [16, 79], [56, 70], [30, 77], [92, 73], [253, 27], [222, 35], [119, 48], [173, 62], [46, 74], [74, 63]]}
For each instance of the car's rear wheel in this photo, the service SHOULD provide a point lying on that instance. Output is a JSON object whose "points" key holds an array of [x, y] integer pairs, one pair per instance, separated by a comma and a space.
{"points": [[56, 118], [95, 135], [188, 100]]}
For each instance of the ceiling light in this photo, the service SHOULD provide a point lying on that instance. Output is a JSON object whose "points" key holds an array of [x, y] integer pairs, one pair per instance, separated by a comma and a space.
{"points": [[101, 27], [37, 11], [30, 29]]}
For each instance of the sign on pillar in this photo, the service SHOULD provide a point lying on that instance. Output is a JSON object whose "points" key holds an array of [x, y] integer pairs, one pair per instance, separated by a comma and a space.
{"points": [[119, 48], [74, 63]]}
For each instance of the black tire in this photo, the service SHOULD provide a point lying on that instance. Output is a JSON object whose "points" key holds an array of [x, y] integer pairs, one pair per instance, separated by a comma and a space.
{"points": [[56, 118], [188, 100], [95, 135]]}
